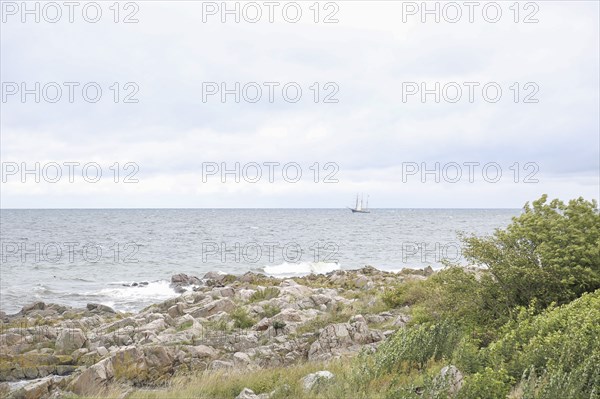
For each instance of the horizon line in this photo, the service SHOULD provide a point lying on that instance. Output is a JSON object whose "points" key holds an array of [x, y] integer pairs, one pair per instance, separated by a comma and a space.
{"points": [[186, 208]]}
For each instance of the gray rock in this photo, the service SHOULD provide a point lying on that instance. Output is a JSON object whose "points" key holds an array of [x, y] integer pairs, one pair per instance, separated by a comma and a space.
{"points": [[94, 378], [202, 351], [309, 382], [69, 340], [451, 377], [175, 310], [214, 307], [221, 365], [32, 307], [97, 307], [241, 359], [248, 393]]}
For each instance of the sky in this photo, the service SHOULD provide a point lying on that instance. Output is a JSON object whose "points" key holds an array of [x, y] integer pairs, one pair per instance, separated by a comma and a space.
{"points": [[171, 115]]}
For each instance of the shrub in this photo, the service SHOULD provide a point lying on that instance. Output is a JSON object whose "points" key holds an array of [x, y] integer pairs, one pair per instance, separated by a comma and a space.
{"points": [[271, 310], [488, 384], [551, 252], [241, 318], [264, 294], [559, 340], [416, 346]]}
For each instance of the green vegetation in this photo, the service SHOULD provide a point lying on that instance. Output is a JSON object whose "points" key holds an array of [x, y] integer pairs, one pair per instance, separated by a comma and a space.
{"points": [[264, 294], [271, 310], [241, 318]]}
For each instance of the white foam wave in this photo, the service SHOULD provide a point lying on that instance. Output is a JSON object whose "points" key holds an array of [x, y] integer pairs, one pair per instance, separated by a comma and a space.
{"points": [[154, 292], [302, 268]]}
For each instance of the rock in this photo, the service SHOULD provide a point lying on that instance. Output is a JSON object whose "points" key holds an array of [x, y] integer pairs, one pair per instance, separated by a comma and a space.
{"points": [[309, 382], [451, 377], [214, 307], [290, 287], [320, 299], [37, 390], [102, 351], [401, 321], [245, 294], [428, 271], [202, 351], [343, 338], [97, 307], [33, 306], [93, 379], [221, 365], [241, 359], [248, 393], [262, 325], [69, 340], [216, 279], [184, 279], [175, 310], [178, 281], [361, 281]]}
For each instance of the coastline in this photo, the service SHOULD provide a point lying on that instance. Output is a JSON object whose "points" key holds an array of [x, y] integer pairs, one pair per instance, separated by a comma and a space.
{"points": [[218, 322]]}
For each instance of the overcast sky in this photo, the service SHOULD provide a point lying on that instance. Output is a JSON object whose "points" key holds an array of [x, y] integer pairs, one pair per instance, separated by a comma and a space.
{"points": [[368, 62]]}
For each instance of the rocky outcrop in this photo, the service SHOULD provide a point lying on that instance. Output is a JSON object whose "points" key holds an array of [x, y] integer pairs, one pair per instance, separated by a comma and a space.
{"points": [[341, 339], [223, 322]]}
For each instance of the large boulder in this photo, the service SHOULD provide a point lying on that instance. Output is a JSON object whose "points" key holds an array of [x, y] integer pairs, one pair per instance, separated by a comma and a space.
{"points": [[94, 379], [178, 281], [69, 340]]}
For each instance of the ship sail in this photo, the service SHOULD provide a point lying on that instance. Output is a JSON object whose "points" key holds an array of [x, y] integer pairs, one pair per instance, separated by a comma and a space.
{"points": [[359, 208]]}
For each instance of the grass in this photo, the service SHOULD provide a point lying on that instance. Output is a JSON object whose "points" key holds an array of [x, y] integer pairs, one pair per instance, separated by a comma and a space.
{"points": [[241, 318], [264, 294], [271, 310]]}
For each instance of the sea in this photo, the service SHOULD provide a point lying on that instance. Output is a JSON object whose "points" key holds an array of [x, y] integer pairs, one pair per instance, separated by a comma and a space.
{"points": [[124, 258]]}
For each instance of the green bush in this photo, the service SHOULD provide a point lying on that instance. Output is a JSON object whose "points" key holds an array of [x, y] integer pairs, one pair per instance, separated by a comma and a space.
{"points": [[241, 318], [487, 384], [271, 310], [560, 339], [551, 253], [416, 346]]}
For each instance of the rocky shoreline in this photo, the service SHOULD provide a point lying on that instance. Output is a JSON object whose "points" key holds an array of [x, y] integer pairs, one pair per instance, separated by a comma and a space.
{"points": [[218, 322]]}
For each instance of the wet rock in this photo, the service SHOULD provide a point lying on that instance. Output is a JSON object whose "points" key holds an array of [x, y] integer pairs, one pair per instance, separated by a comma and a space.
{"points": [[179, 281], [97, 307], [33, 306]]}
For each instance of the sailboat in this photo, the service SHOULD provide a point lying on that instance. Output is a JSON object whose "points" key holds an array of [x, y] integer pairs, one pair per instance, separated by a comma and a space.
{"points": [[358, 208]]}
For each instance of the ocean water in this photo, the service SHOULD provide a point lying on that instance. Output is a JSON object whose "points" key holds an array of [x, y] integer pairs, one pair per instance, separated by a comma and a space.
{"points": [[75, 257]]}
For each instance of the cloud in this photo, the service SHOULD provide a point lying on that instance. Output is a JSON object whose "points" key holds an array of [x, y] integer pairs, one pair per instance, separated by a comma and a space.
{"points": [[370, 132]]}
